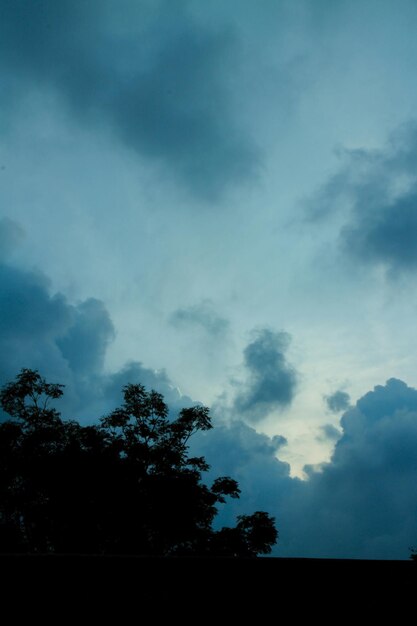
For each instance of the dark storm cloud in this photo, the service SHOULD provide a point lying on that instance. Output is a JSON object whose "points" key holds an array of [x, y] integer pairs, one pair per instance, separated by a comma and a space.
{"points": [[67, 343], [338, 401], [235, 449], [202, 316], [153, 75], [363, 503], [388, 236], [376, 190], [41, 330], [272, 380], [92, 329], [26, 308], [136, 372]]}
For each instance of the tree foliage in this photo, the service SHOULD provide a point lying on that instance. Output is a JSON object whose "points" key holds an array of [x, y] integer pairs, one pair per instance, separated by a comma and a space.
{"points": [[123, 486]]}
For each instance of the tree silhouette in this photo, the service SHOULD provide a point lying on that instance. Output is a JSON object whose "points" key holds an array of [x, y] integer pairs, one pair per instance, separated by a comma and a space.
{"points": [[123, 486]]}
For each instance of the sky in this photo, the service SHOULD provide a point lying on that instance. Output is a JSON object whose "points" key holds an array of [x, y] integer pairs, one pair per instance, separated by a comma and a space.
{"points": [[219, 200]]}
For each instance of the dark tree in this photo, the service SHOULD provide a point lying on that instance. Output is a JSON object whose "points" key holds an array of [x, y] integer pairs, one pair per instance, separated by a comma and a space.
{"points": [[254, 534], [123, 486]]}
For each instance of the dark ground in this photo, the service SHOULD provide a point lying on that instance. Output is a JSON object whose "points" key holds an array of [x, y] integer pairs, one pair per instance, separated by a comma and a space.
{"points": [[77, 589], [213, 589]]}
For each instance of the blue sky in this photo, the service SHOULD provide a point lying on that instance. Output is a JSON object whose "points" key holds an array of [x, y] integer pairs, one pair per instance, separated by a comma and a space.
{"points": [[219, 200]]}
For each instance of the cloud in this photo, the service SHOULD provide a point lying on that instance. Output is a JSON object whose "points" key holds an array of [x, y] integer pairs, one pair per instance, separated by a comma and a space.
{"points": [[376, 193], [235, 449], [156, 77], [67, 343], [91, 330], [328, 432], [278, 441], [135, 372], [387, 236], [272, 381], [44, 331], [27, 311], [338, 401], [200, 316], [363, 502]]}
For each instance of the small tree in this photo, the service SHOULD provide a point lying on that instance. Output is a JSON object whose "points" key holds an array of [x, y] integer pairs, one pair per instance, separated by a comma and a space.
{"points": [[126, 485]]}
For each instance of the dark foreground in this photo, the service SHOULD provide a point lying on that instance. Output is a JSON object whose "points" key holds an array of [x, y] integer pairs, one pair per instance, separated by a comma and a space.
{"points": [[115, 570], [213, 589]]}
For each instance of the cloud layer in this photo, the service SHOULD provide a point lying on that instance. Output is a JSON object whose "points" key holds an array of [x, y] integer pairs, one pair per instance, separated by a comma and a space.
{"points": [[376, 193], [363, 503], [155, 77], [66, 342]]}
